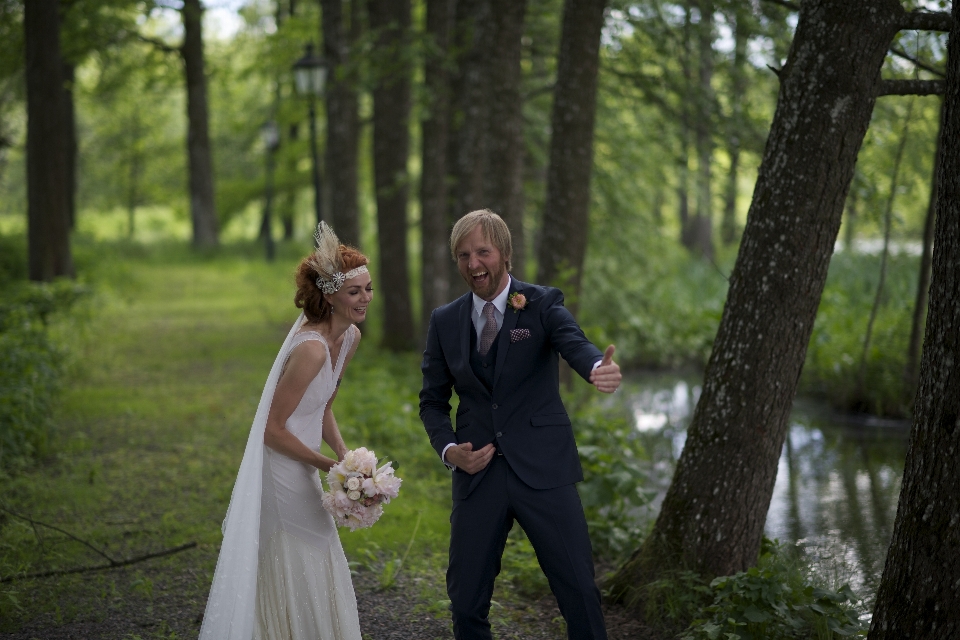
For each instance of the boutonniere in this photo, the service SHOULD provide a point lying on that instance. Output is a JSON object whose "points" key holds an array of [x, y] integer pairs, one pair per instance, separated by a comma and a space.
{"points": [[517, 301]]}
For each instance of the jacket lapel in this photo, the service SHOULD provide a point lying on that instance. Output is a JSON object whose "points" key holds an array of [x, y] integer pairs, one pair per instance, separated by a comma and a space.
{"points": [[510, 318]]}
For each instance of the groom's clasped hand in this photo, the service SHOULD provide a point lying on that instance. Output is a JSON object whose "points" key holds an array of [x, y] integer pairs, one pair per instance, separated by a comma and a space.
{"points": [[464, 457]]}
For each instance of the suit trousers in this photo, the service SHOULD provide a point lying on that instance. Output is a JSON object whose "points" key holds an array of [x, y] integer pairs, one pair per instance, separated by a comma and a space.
{"points": [[553, 521]]}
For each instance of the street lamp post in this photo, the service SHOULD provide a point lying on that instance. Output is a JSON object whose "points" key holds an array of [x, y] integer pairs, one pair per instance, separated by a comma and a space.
{"points": [[271, 142], [310, 73]]}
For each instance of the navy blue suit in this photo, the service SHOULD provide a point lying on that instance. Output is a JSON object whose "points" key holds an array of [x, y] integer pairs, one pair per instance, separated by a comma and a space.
{"points": [[517, 407]]}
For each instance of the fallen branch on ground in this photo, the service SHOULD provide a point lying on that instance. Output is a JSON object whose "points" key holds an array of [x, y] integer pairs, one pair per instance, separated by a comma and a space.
{"points": [[111, 563]]}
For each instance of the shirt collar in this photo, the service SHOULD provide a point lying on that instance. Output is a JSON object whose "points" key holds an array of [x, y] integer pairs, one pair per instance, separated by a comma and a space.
{"points": [[500, 302]]}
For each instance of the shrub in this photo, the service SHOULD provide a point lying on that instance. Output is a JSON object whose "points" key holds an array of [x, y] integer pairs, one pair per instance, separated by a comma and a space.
{"points": [[616, 469], [832, 367], [775, 601], [31, 366]]}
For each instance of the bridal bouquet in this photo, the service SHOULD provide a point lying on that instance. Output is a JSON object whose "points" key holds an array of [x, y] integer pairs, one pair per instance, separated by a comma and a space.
{"points": [[358, 489]]}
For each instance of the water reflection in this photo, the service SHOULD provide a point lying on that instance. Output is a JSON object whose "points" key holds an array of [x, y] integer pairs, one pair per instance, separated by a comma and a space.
{"points": [[837, 484]]}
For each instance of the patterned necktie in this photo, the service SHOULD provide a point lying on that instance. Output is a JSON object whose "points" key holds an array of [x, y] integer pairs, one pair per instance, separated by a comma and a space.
{"points": [[489, 333]]}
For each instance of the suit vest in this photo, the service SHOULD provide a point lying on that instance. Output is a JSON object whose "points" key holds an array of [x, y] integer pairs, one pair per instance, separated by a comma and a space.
{"points": [[483, 366]]}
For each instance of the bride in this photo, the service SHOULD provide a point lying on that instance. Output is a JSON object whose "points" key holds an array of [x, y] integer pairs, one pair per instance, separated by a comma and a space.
{"points": [[282, 573]]}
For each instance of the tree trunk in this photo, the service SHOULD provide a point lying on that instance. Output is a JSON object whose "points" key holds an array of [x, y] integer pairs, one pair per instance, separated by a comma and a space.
{"points": [[342, 125], [390, 21], [434, 230], [728, 226], [703, 221], [48, 234], [911, 371], [918, 592], [713, 514], [566, 210], [504, 190], [203, 211], [470, 102], [70, 144]]}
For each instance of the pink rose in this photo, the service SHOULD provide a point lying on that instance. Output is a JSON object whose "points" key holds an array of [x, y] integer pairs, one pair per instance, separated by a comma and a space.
{"points": [[518, 301]]}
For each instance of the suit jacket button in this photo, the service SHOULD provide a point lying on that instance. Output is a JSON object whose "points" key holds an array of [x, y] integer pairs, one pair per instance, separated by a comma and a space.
{"points": [[494, 405], [499, 434]]}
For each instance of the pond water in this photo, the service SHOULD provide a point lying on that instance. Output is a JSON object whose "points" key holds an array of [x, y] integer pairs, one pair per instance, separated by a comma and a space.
{"points": [[837, 485]]}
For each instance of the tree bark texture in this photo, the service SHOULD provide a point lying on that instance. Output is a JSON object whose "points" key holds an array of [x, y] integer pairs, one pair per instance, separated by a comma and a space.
{"points": [[470, 102], [434, 228], [342, 124], [504, 176], [912, 369], [565, 216], [713, 514], [471, 105], [919, 595], [48, 233], [70, 143], [390, 21], [203, 210]]}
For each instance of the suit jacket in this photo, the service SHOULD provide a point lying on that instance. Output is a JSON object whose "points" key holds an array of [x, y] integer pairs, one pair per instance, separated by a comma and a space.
{"points": [[523, 414]]}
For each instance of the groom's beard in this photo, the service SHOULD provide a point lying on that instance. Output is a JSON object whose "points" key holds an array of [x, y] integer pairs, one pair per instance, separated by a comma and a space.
{"points": [[491, 284]]}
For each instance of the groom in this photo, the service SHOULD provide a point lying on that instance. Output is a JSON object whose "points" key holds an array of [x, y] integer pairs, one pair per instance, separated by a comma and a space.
{"points": [[513, 453]]}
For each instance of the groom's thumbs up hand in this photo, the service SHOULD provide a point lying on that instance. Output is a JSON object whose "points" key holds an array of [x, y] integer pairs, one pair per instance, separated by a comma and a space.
{"points": [[608, 356], [464, 457], [606, 376]]}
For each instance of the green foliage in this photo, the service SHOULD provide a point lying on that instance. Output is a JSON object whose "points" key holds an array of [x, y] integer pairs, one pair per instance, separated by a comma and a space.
{"points": [[660, 305], [31, 366], [615, 492], [775, 601], [832, 368]]}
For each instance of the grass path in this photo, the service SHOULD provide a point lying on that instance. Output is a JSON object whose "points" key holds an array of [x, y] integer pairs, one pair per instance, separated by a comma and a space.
{"points": [[166, 376]]}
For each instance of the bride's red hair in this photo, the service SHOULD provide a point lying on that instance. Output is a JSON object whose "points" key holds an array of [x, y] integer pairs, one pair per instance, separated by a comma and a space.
{"points": [[309, 297]]}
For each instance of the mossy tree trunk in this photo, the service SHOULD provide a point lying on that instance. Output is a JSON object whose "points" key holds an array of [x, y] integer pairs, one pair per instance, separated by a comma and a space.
{"points": [[203, 210], [714, 511], [504, 175], [48, 227], [435, 127], [390, 24], [342, 123], [565, 216], [919, 595]]}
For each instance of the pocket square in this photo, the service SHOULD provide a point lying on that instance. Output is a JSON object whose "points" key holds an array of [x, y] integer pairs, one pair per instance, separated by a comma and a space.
{"points": [[516, 335]]}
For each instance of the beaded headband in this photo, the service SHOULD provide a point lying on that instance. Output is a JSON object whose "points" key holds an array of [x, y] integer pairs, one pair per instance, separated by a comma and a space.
{"points": [[333, 284]]}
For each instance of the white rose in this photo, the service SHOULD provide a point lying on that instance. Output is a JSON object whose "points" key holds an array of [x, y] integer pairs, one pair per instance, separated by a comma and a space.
{"points": [[353, 483], [354, 495]]}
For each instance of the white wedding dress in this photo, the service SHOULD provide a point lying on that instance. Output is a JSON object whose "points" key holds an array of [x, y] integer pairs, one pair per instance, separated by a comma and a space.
{"points": [[301, 588]]}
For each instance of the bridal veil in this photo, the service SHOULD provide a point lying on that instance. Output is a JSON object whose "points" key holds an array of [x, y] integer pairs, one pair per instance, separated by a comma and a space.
{"points": [[231, 605]]}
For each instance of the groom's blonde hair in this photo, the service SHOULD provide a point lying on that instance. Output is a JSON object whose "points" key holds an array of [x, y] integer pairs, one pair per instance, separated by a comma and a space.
{"points": [[495, 230]]}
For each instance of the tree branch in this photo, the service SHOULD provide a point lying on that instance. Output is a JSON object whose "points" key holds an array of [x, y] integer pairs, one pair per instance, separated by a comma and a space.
{"points": [[159, 44], [101, 567], [920, 64], [911, 88], [789, 4], [34, 523], [926, 21]]}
